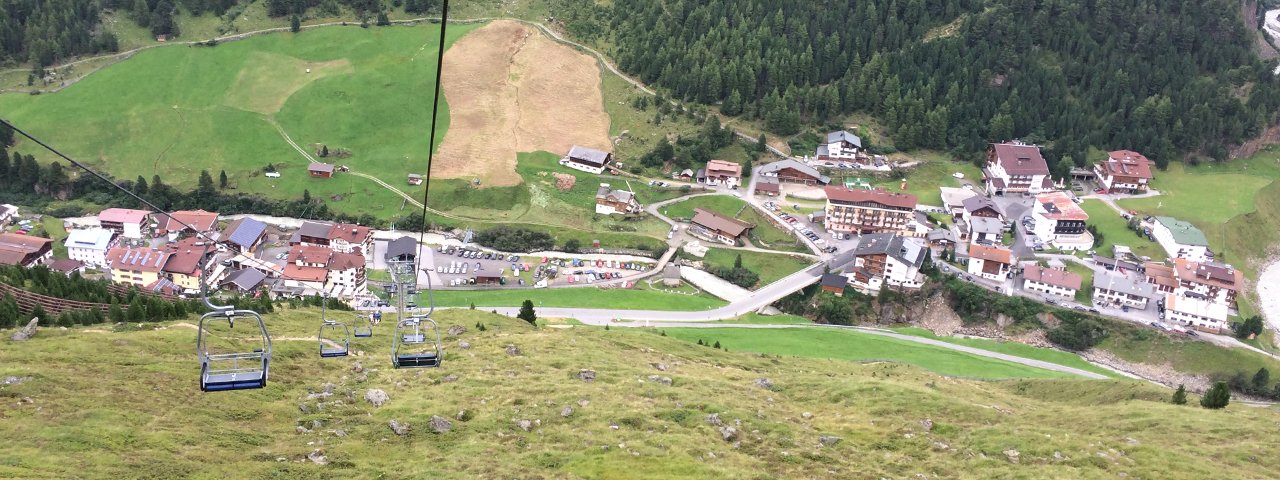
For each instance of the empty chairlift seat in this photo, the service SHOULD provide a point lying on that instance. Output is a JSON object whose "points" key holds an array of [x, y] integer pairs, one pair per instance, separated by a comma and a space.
{"points": [[412, 348], [335, 339], [224, 369]]}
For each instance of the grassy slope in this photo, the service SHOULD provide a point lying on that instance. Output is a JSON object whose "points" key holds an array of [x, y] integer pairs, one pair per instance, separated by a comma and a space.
{"points": [[1014, 348], [638, 298], [722, 204], [771, 236], [1115, 230], [769, 266], [157, 425]]}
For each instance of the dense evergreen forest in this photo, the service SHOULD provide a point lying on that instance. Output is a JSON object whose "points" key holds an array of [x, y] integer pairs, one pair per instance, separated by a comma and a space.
{"points": [[1164, 77], [42, 31]]}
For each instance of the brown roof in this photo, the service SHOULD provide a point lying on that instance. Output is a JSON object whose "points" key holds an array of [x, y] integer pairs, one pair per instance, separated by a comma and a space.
{"points": [[1209, 273], [1020, 159], [879, 195], [719, 223], [123, 215], [1049, 276], [141, 259], [310, 254], [1127, 163], [306, 274], [23, 244], [350, 233], [1161, 274], [991, 254], [203, 221], [721, 167], [186, 256], [1058, 206], [344, 261], [320, 167], [65, 265], [767, 186]]}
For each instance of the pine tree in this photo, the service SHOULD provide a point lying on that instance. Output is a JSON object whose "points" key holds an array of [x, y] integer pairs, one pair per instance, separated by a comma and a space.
{"points": [[1218, 396], [222, 179], [527, 314], [115, 313], [717, 345], [140, 186], [295, 23], [762, 144], [1180, 396], [1261, 379], [737, 262], [205, 186], [383, 20]]}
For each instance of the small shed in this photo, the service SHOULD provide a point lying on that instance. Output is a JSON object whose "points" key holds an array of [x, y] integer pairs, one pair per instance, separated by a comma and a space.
{"points": [[415, 179], [320, 170], [834, 283], [671, 275]]}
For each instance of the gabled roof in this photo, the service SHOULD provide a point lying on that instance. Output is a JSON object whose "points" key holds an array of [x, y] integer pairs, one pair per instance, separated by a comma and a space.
{"points": [[609, 194], [955, 197], [1127, 163], [768, 184], [721, 167], [90, 238], [141, 259], [315, 229], [1018, 159], [202, 221], [345, 261], [6, 210], [245, 279], [777, 166], [589, 155], [1196, 306], [23, 244], [1161, 274], [1123, 284], [1058, 206], [979, 202], [65, 265], [941, 234], [349, 233], [1049, 276], [985, 225], [671, 272], [991, 254], [123, 215], [843, 136], [720, 223], [320, 167], [244, 231], [403, 246], [1209, 273], [905, 250], [879, 195], [186, 256], [834, 280], [1184, 233]]}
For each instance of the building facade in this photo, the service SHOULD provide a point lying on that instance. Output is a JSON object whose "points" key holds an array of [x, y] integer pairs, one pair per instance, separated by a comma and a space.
{"points": [[1016, 168], [1118, 289], [1180, 239], [610, 201], [587, 159], [868, 211], [1050, 281], [89, 246], [1124, 171], [992, 263], [136, 266], [125, 222], [713, 226], [1060, 222]]}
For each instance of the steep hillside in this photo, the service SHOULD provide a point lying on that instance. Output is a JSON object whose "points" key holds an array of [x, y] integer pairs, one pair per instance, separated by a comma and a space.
{"points": [[97, 403]]}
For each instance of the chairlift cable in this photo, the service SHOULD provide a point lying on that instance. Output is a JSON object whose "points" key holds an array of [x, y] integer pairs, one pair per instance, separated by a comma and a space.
{"points": [[431, 148]]}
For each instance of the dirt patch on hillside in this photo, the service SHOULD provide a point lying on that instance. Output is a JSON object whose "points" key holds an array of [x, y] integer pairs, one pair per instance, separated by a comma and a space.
{"points": [[510, 89]]}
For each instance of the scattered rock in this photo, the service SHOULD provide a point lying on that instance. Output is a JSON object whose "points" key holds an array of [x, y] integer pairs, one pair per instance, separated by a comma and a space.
{"points": [[663, 380], [806, 415], [327, 388], [729, 434], [714, 419], [583, 403], [525, 425], [300, 430], [940, 445], [1131, 440], [339, 433], [317, 424], [27, 400], [399, 428], [376, 396], [829, 440], [304, 408], [1057, 455], [317, 457], [927, 425], [764, 383], [661, 367], [513, 350], [25, 333], [440, 424], [1011, 455], [456, 330], [463, 415], [587, 375], [566, 412], [11, 380], [450, 378], [357, 367], [463, 344]]}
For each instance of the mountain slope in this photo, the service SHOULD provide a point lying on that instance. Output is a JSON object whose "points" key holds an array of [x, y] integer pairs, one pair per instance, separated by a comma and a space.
{"points": [[125, 404]]}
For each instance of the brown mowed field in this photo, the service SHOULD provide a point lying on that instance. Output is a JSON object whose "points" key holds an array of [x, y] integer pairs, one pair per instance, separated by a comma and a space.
{"points": [[511, 89]]}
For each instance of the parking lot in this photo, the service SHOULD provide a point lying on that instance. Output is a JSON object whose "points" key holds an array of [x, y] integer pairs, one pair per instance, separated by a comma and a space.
{"points": [[803, 226], [462, 267]]}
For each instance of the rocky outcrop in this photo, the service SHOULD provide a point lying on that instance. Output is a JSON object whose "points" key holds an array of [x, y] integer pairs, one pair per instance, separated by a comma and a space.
{"points": [[25, 333]]}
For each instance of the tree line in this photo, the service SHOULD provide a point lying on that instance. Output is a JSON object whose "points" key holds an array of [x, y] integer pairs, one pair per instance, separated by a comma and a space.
{"points": [[1163, 77], [43, 31], [131, 305]]}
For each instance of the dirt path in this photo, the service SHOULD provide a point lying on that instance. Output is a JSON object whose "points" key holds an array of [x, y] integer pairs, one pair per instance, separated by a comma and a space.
{"points": [[1269, 295]]}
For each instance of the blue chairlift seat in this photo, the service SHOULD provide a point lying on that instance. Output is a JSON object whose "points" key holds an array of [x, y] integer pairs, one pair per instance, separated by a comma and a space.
{"points": [[411, 348], [334, 347], [417, 360], [233, 371], [363, 332]]}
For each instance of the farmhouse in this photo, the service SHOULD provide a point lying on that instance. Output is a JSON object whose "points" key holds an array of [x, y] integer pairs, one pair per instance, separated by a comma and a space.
{"points": [[186, 264], [834, 283], [1196, 312], [713, 226], [990, 262], [403, 249], [768, 186], [587, 159], [7, 214], [24, 250], [136, 266], [722, 172], [868, 211], [1214, 281], [610, 201], [1050, 281], [1060, 222], [125, 222], [245, 235], [887, 259], [1016, 168], [953, 200], [1122, 290], [180, 224], [1180, 239], [840, 146], [1124, 171], [320, 170], [792, 171], [89, 246]]}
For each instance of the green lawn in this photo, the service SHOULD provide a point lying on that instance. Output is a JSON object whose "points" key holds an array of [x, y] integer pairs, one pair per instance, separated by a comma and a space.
{"points": [[1085, 294], [923, 180], [775, 237], [1138, 344], [1204, 194], [722, 204], [758, 319], [861, 347], [158, 111], [638, 298], [53, 227], [770, 266], [1115, 231], [1014, 348]]}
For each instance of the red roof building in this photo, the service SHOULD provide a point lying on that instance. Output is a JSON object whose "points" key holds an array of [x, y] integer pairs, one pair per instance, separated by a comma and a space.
{"points": [[24, 250], [868, 211], [1124, 171], [1016, 168]]}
